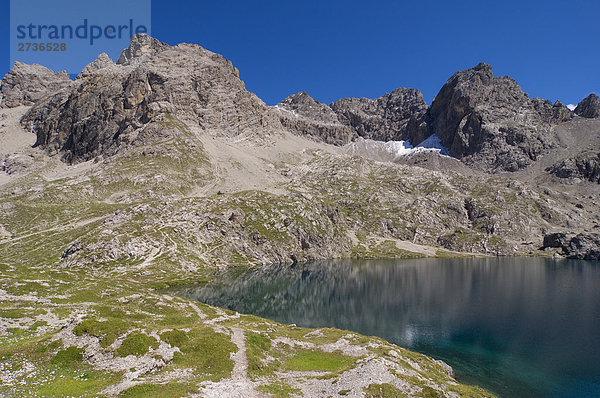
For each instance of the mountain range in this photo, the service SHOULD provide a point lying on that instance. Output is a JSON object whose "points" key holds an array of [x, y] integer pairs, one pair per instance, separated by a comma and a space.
{"points": [[161, 169]]}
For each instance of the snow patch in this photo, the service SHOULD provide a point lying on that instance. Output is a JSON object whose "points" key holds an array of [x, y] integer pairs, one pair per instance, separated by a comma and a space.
{"points": [[434, 142], [571, 107], [391, 151]]}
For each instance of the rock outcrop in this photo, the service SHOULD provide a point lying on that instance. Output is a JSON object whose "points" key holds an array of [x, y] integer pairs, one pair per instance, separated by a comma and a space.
{"points": [[27, 84], [583, 246], [589, 107], [140, 48], [491, 122], [585, 166], [385, 118], [303, 115], [112, 106], [483, 120], [394, 116], [102, 62]]}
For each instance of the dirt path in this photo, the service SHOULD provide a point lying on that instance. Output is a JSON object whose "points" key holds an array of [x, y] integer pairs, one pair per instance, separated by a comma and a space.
{"points": [[240, 367], [75, 224], [201, 314], [239, 385]]}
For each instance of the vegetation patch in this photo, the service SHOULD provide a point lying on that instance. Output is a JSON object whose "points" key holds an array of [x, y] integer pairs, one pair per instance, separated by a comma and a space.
{"points": [[384, 390], [175, 338], [279, 390], [313, 360], [166, 390], [68, 357], [136, 344], [106, 331], [257, 348], [207, 352]]}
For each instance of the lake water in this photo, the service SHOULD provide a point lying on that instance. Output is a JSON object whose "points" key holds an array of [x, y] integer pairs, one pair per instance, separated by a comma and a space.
{"points": [[520, 327]]}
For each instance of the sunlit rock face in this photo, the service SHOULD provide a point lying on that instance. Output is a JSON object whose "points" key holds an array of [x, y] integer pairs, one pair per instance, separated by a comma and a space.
{"points": [[27, 84], [112, 106]]}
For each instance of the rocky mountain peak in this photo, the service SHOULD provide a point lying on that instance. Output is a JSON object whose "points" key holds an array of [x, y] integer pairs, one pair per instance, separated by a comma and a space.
{"points": [[300, 98], [589, 107], [303, 115], [485, 68], [304, 105], [26, 84], [145, 97], [140, 46], [385, 118], [103, 61], [490, 121]]}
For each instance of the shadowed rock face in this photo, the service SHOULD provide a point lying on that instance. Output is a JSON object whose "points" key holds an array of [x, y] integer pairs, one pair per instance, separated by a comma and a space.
{"points": [[389, 117], [589, 107], [111, 106], [27, 84], [484, 120], [583, 246], [385, 118], [585, 166], [490, 121]]}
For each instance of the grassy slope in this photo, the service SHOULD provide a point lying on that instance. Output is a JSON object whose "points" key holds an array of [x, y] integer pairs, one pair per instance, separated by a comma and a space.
{"points": [[97, 324]]}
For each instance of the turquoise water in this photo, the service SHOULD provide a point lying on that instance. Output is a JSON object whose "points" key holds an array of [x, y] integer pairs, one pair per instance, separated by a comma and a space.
{"points": [[520, 327]]}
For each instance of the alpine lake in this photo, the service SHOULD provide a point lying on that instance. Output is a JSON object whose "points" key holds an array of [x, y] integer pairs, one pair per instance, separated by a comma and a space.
{"points": [[519, 327]]}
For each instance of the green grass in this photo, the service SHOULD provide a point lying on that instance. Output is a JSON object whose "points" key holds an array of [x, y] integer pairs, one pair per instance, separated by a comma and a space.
{"points": [[384, 390], [312, 360], [107, 331], [257, 348], [279, 390], [77, 383], [68, 357], [136, 344], [207, 352], [167, 390], [175, 338]]}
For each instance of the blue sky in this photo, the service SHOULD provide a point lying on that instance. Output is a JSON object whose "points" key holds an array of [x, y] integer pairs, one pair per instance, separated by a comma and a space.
{"points": [[333, 49]]}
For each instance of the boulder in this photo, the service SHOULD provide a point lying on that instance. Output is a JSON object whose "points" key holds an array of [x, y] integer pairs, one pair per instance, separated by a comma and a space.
{"points": [[584, 246], [555, 240], [585, 166]]}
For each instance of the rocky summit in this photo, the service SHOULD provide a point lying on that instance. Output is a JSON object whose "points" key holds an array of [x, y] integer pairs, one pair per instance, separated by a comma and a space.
{"points": [[111, 106], [27, 84], [589, 107], [489, 121], [161, 169]]}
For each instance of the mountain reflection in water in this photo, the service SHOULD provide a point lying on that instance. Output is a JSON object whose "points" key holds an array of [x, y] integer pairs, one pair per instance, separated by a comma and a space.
{"points": [[517, 326]]}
